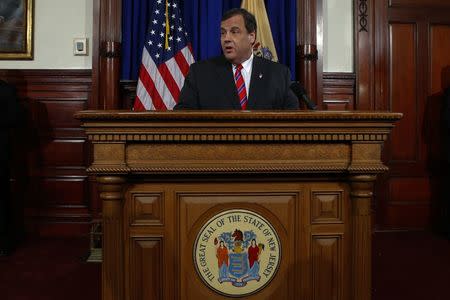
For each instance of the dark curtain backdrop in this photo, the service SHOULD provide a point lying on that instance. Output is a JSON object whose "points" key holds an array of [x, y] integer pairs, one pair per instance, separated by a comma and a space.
{"points": [[202, 20]]}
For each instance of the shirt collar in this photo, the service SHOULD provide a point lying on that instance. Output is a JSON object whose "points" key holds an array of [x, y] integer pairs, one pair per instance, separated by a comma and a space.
{"points": [[246, 65]]}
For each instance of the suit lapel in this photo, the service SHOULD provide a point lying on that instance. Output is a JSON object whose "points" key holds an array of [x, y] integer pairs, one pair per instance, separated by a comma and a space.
{"points": [[256, 82], [229, 87]]}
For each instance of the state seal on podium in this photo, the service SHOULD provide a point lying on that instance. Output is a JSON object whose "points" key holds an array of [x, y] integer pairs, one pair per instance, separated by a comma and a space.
{"points": [[237, 253]]}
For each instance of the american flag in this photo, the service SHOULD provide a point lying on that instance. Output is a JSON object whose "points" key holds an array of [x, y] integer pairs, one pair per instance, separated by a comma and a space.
{"points": [[166, 58]]}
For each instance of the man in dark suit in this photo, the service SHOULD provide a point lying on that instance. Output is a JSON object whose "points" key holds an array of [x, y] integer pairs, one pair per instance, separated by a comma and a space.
{"points": [[446, 200], [237, 79], [7, 121]]}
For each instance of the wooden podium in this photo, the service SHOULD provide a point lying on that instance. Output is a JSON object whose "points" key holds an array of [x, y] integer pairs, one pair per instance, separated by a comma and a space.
{"points": [[166, 178]]}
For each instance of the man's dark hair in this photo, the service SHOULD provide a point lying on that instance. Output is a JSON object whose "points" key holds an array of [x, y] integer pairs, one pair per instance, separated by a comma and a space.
{"points": [[249, 19]]}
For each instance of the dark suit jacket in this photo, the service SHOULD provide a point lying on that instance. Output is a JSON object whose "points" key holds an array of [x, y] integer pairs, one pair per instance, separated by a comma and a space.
{"points": [[210, 85], [446, 119], [7, 121], [8, 113]]}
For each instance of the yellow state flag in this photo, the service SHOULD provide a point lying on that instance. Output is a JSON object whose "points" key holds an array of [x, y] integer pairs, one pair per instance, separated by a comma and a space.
{"points": [[264, 45]]}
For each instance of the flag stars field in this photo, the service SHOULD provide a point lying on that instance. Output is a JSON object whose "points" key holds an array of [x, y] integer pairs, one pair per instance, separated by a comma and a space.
{"points": [[162, 73]]}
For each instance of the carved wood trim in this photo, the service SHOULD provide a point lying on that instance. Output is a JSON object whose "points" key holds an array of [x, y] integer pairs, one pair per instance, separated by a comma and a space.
{"points": [[362, 14], [303, 168], [94, 102], [251, 138], [308, 70], [420, 4], [296, 135], [21, 78], [109, 74], [338, 79], [256, 116], [112, 195], [107, 33], [326, 282], [364, 33], [123, 170], [269, 168], [147, 256], [361, 195], [339, 91], [327, 207]]}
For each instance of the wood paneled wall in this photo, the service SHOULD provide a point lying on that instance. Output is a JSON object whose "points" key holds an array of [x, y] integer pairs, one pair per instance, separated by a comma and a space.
{"points": [[52, 193], [412, 47], [401, 56], [339, 91]]}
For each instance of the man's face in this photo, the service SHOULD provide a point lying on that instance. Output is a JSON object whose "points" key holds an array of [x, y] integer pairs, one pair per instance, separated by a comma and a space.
{"points": [[237, 42]]}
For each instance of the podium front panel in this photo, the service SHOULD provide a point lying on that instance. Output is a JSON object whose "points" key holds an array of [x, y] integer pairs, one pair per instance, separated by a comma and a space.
{"points": [[219, 205], [164, 219]]}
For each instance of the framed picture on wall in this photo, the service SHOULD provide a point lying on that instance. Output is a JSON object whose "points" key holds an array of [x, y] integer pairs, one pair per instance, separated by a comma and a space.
{"points": [[16, 29]]}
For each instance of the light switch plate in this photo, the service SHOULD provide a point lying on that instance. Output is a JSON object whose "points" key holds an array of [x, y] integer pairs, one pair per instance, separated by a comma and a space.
{"points": [[80, 46]]}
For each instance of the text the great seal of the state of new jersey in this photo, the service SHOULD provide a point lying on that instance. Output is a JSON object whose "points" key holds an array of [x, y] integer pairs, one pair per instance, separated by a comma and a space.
{"points": [[237, 252]]}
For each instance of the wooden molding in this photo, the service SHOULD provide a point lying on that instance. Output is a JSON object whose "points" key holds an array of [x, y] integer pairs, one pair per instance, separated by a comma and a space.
{"points": [[257, 116], [22, 77], [339, 91], [128, 152], [107, 34], [111, 193], [363, 16], [309, 68], [419, 3], [361, 196], [364, 32], [50, 185]]}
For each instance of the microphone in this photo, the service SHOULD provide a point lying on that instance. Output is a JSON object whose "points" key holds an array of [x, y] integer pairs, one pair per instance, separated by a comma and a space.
{"points": [[300, 92]]}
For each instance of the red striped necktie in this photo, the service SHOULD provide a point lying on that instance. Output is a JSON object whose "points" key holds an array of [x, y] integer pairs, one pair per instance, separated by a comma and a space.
{"points": [[240, 85]]}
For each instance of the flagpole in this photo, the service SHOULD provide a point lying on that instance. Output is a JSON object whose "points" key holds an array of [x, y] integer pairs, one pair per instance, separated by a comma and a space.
{"points": [[167, 26]]}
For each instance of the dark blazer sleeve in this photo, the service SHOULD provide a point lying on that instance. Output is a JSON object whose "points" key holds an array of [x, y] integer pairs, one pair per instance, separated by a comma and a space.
{"points": [[446, 110], [8, 99], [189, 96], [290, 100]]}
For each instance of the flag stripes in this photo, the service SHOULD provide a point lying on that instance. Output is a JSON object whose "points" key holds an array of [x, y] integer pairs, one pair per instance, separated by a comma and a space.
{"points": [[166, 58]]}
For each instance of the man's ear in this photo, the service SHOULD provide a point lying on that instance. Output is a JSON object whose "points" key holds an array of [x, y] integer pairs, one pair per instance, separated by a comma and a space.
{"points": [[252, 37]]}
